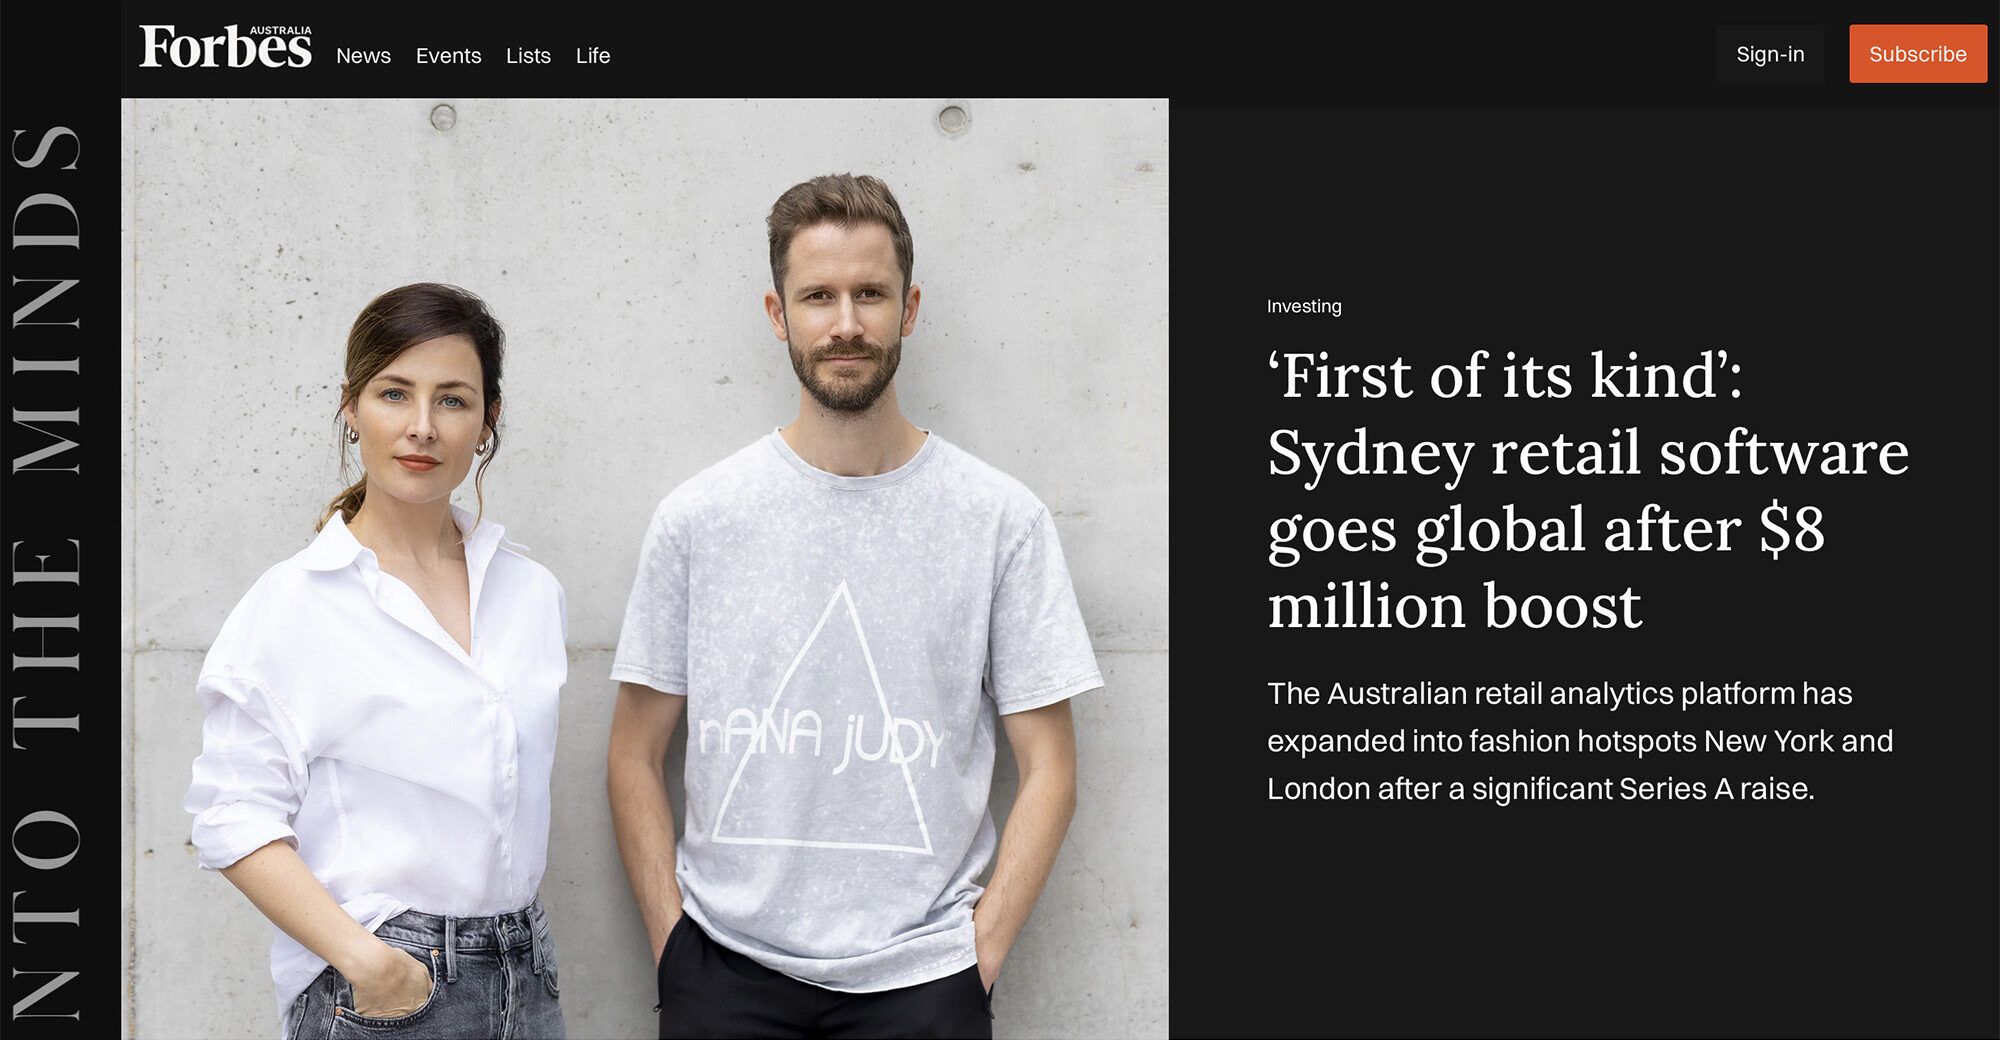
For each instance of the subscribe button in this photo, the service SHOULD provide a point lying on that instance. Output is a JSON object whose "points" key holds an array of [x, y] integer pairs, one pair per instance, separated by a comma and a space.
{"points": [[1916, 54]]}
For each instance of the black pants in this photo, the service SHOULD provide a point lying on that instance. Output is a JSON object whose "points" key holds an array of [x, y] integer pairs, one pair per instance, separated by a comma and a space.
{"points": [[707, 990]]}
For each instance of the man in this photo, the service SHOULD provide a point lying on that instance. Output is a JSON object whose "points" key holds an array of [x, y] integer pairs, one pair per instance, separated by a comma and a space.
{"points": [[840, 610]]}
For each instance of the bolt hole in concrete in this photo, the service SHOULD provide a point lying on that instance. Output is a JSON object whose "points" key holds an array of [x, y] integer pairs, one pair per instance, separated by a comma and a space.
{"points": [[953, 119], [444, 117]]}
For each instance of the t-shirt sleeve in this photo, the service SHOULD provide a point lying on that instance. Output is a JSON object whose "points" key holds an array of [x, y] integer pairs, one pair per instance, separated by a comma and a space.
{"points": [[653, 645], [1038, 651], [250, 777]]}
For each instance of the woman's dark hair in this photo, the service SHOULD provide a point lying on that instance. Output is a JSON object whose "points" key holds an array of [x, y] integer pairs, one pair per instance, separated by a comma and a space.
{"points": [[393, 323]]}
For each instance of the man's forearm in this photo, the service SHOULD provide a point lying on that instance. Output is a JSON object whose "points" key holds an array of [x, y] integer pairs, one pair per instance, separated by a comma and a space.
{"points": [[641, 814], [1045, 749], [643, 819]]}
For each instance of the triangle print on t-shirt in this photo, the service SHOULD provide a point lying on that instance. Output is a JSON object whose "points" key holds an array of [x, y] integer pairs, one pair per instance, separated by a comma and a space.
{"points": [[828, 763]]}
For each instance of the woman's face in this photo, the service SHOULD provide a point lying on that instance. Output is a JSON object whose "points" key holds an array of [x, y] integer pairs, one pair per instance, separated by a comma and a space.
{"points": [[420, 419]]}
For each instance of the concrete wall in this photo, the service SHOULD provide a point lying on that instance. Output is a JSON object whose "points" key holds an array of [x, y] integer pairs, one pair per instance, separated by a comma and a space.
{"points": [[622, 245]]}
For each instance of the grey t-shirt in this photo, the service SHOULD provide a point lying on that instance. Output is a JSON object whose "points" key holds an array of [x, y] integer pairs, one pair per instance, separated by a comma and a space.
{"points": [[844, 644]]}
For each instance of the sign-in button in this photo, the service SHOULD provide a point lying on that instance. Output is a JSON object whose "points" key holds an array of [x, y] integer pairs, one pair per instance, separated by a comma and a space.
{"points": [[1916, 54], [1770, 54]]}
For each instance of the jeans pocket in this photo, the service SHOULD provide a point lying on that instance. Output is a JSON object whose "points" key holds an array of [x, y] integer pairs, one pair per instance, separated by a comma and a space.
{"points": [[345, 1015], [545, 950], [302, 1022]]}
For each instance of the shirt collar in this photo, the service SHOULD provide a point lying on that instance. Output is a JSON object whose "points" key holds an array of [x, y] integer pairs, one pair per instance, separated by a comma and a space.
{"points": [[335, 547]]}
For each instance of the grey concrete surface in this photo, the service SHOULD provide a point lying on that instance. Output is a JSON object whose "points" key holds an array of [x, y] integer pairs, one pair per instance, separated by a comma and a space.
{"points": [[621, 243]]}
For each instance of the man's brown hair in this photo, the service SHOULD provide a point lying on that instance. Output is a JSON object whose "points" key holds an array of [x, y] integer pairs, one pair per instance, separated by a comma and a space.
{"points": [[837, 198]]}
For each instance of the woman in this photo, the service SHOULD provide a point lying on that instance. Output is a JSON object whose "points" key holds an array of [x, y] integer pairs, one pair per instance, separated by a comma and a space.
{"points": [[381, 724]]}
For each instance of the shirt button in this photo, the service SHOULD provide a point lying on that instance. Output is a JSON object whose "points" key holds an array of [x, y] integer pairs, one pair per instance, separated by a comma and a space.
{"points": [[510, 771]]}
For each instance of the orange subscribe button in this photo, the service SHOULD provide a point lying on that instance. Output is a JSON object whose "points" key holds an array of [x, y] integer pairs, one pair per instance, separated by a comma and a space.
{"points": [[1916, 54]]}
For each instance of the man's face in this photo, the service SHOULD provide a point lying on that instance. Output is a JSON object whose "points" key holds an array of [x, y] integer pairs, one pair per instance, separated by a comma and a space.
{"points": [[843, 313]]}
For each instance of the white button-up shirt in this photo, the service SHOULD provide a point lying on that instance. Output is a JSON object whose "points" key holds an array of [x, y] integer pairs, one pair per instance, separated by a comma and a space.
{"points": [[344, 720]]}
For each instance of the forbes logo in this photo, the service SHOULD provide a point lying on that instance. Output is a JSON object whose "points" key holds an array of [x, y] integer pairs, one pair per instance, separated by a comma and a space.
{"points": [[274, 46]]}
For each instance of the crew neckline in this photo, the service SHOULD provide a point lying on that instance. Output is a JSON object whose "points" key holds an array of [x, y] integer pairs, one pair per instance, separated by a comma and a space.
{"points": [[868, 483]]}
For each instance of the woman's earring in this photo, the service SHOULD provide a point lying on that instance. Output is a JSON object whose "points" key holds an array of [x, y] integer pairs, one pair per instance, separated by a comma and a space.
{"points": [[480, 450], [353, 435]]}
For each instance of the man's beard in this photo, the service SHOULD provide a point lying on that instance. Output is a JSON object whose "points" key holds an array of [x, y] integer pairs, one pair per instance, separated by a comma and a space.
{"points": [[848, 395]]}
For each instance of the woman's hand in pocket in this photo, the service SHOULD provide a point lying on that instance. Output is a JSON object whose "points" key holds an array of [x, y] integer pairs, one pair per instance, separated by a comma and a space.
{"points": [[395, 984]]}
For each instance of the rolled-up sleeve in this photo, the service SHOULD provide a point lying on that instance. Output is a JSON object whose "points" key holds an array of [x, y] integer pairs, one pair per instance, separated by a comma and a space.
{"points": [[251, 776]]}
